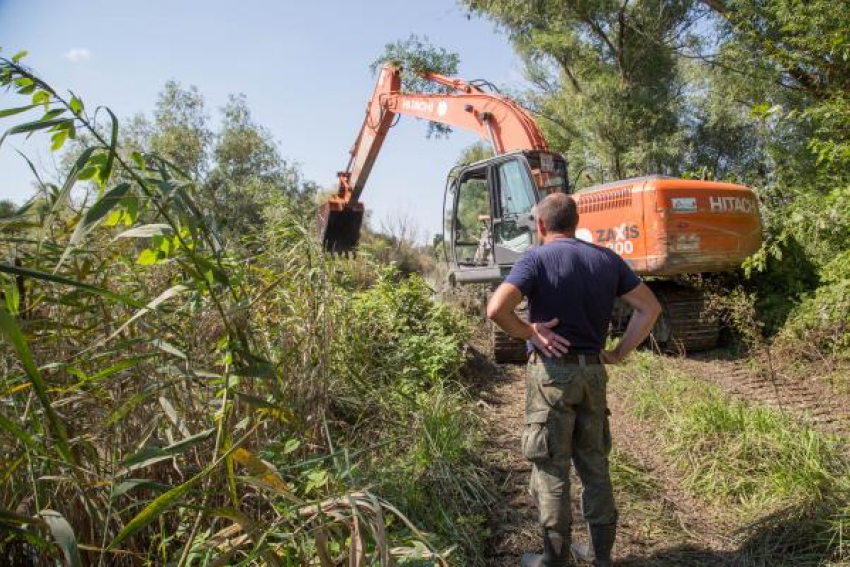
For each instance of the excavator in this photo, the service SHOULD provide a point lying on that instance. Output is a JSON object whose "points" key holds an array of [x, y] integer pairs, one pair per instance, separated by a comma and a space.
{"points": [[662, 226]]}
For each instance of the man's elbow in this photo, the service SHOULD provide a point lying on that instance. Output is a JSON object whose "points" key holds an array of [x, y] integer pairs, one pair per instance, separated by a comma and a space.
{"points": [[654, 308], [493, 311]]}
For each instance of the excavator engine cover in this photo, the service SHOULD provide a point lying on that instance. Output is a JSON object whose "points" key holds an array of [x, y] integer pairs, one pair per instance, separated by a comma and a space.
{"points": [[339, 228]]}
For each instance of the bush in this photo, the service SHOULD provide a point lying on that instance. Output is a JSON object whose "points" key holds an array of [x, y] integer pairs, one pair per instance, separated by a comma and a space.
{"points": [[822, 319]]}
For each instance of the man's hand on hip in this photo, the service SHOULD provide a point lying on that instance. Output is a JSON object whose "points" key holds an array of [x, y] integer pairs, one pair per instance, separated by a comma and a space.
{"points": [[548, 341]]}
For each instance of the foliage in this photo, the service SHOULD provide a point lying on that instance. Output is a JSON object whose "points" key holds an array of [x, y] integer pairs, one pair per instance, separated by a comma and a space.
{"points": [[416, 56], [175, 393], [606, 76], [822, 318]]}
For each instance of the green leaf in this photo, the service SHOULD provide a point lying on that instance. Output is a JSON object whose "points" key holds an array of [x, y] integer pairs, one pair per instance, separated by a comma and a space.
{"points": [[148, 257], [106, 203], [33, 127], [58, 140], [92, 217], [41, 97], [19, 55], [76, 105], [64, 193], [152, 455], [63, 534], [291, 446], [139, 160], [53, 113], [106, 172], [13, 333], [18, 110], [53, 278], [156, 508], [87, 173], [12, 295]]}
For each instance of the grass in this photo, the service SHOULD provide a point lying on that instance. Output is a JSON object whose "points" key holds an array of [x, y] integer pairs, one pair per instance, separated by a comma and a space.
{"points": [[638, 495], [768, 468]]}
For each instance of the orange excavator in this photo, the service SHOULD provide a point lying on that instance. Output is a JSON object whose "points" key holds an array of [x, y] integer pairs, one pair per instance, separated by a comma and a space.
{"points": [[661, 226]]}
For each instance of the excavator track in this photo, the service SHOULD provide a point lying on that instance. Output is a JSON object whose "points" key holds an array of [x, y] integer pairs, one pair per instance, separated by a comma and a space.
{"points": [[506, 349], [685, 324]]}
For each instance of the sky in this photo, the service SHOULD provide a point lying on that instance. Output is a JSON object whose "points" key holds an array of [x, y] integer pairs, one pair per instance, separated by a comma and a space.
{"points": [[303, 65]]}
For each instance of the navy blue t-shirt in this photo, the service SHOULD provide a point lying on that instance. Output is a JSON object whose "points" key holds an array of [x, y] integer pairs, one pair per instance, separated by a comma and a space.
{"points": [[576, 282]]}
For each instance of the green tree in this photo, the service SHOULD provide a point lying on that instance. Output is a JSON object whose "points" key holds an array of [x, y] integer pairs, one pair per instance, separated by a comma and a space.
{"points": [[180, 129], [238, 167], [416, 55], [606, 75], [7, 208], [248, 173]]}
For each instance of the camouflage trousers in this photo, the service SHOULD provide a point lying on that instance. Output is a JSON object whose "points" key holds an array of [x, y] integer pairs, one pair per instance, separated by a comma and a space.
{"points": [[566, 419]]}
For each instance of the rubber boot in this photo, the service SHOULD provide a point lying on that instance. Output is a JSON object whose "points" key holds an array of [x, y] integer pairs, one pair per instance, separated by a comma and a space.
{"points": [[556, 551], [598, 553]]}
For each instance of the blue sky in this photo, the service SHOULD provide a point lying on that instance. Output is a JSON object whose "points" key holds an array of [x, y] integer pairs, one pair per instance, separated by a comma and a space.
{"points": [[302, 64]]}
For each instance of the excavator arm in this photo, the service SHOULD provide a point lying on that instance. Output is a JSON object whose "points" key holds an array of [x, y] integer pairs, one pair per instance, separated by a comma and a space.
{"points": [[494, 118]]}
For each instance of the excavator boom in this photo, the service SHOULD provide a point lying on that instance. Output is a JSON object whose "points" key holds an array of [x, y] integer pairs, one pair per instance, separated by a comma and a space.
{"points": [[493, 117]]}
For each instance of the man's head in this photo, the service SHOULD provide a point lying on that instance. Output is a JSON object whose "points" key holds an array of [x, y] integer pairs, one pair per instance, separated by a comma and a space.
{"points": [[557, 215]]}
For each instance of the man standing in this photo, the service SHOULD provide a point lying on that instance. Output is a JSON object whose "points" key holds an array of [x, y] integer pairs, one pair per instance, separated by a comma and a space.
{"points": [[571, 286]]}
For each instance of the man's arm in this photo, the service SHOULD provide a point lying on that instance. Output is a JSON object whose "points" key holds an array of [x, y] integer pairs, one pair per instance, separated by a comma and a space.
{"points": [[500, 309], [646, 311]]}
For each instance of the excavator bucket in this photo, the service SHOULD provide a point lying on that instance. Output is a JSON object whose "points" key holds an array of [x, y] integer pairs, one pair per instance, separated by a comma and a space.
{"points": [[339, 227]]}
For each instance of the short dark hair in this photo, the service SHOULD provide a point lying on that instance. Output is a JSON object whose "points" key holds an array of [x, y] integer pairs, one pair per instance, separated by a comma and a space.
{"points": [[559, 213]]}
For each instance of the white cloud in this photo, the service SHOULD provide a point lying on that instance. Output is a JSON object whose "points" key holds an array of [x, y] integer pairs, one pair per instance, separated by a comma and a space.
{"points": [[77, 54]]}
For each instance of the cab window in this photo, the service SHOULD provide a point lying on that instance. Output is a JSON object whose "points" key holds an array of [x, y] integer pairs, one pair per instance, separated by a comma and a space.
{"points": [[472, 228], [515, 229]]}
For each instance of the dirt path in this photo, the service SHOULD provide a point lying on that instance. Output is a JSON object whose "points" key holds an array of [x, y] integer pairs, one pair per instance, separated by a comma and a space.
{"points": [[660, 526]]}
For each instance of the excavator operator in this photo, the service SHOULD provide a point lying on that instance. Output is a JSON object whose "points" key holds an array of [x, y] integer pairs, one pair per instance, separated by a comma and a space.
{"points": [[571, 286]]}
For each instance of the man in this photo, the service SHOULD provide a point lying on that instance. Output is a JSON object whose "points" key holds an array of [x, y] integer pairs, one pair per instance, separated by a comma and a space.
{"points": [[571, 286]]}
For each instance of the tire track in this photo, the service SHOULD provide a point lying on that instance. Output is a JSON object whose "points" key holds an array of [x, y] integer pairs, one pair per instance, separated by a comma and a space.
{"points": [[806, 396]]}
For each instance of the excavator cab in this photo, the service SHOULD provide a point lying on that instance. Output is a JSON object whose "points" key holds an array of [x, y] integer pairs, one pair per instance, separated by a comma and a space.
{"points": [[489, 212]]}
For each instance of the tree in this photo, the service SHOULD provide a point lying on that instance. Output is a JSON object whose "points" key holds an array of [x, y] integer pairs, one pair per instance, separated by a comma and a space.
{"points": [[248, 173], [7, 208], [180, 129], [417, 55], [238, 168], [608, 87]]}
